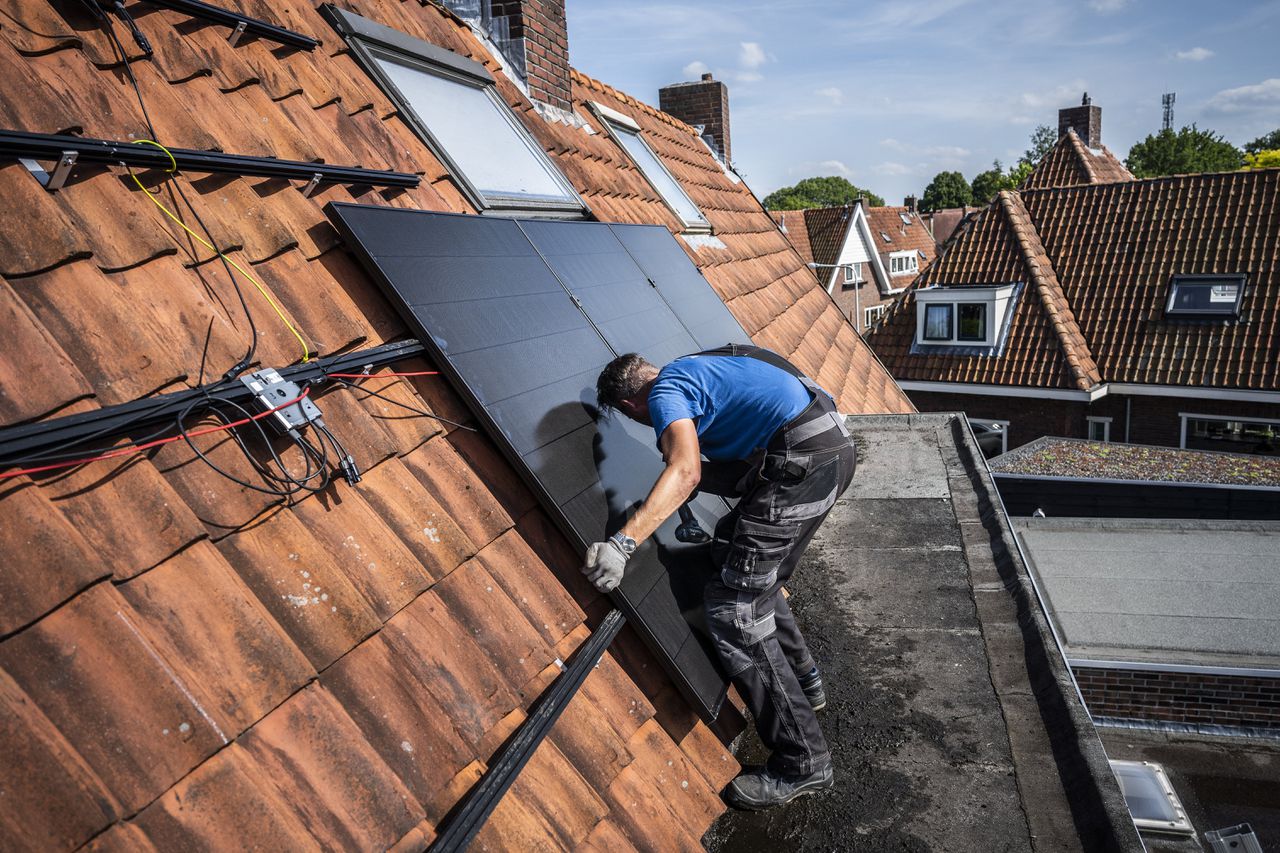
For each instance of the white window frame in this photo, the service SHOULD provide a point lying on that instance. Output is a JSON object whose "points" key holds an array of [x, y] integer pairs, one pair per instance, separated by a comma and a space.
{"points": [[615, 123], [853, 274], [871, 315], [1106, 427], [910, 263], [1004, 430], [1184, 417], [369, 41], [995, 298]]}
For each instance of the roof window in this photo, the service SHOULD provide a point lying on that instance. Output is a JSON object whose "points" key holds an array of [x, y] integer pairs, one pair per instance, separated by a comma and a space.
{"points": [[1151, 799], [453, 105], [1205, 296], [905, 217], [885, 237], [626, 133]]}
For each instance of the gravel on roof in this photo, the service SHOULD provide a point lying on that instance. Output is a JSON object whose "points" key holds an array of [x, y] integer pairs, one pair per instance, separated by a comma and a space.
{"points": [[1069, 457]]}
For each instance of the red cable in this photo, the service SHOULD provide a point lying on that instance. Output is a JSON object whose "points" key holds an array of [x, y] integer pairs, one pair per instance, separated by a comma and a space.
{"points": [[138, 448], [380, 375]]}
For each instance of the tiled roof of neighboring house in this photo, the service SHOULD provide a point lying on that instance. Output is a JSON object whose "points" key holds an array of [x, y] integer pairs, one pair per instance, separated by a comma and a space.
{"points": [[1098, 260], [792, 223], [185, 660], [902, 236], [1071, 163], [943, 223]]}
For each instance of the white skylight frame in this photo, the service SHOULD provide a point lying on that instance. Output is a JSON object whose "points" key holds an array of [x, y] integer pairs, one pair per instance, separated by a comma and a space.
{"points": [[622, 129], [375, 46], [1147, 777]]}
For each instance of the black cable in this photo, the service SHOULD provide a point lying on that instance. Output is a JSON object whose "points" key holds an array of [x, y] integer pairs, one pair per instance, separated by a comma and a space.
{"points": [[422, 412], [238, 367]]}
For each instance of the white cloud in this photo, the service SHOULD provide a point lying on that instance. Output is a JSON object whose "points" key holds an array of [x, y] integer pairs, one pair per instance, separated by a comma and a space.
{"points": [[751, 55], [832, 92], [1108, 7], [1064, 95], [695, 69], [835, 166], [891, 168], [1196, 54], [748, 77], [1246, 99], [936, 153]]}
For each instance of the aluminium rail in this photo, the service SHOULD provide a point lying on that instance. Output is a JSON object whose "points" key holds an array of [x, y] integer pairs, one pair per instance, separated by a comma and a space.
{"points": [[238, 22]]}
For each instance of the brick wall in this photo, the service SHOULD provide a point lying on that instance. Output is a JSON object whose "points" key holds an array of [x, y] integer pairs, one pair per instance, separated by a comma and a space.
{"points": [[1181, 697], [705, 102], [1152, 420], [854, 304], [540, 25]]}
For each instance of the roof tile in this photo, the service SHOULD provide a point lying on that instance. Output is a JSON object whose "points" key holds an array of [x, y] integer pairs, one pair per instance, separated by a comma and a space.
{"points": [[303, 586], [311, 752], [549, 806], [49, 797], [460, 491], [107, 685], [528, 582], [222, 637], [26, 394]]}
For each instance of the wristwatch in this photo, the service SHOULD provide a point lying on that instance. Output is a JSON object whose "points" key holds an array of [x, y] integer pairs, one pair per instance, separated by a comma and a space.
{"points": [[625, 543]]}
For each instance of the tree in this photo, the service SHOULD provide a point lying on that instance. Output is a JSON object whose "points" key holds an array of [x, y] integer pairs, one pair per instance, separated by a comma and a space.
{"points": [[1270, 142], [1187, 152], [947, 189], [1043, 138], [1262, 160], [819, 192], [986, 184]]}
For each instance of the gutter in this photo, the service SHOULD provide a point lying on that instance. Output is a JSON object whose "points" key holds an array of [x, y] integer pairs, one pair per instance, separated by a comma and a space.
{"points": [[1094, 394]]}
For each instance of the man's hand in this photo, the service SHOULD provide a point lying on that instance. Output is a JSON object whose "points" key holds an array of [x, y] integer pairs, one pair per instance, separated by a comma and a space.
{"points": [[605, 564]]}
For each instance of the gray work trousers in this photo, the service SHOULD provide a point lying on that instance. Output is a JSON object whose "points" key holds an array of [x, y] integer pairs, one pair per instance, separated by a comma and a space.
{"points": [[784, 498]]}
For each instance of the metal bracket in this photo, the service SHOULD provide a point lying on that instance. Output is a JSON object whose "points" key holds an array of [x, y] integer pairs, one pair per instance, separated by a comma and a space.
{"points": [[52, 181], [234, 38], [311, 185]]}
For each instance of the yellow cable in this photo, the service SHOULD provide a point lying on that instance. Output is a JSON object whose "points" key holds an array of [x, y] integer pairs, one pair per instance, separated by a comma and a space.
{"points": [[306, 351]]}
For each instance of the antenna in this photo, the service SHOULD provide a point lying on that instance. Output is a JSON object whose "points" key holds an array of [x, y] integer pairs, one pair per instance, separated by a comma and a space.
{"points": [[1166, 101]]}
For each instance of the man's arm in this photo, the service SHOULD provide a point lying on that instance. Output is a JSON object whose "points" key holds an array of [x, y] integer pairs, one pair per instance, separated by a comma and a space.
{"points": [[679, 445], [607, 561]]}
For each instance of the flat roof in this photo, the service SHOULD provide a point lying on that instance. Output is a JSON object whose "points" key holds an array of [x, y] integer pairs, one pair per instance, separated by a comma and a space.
{"points": [[1193, 592], [951, 715]]}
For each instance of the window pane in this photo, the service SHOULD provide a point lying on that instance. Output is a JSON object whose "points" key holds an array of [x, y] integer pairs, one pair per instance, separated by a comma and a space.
{"points": [[1233, 436], [471, 128], [657, 175], [1205, 297], [973, 322], [937, 322]]}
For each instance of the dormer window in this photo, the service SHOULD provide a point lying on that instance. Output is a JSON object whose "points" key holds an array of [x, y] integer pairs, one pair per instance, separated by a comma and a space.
{"points": [[1205, 296], [964, 317], [904, 263], [626, 133], [453, 105]]}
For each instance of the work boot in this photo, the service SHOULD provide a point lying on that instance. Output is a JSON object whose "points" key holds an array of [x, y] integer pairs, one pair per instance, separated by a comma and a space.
{"points": [[811, 684], [764, 789]]}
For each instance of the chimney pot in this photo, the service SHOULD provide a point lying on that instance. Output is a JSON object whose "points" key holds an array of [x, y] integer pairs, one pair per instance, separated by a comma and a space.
{"points": [[706, 76]]}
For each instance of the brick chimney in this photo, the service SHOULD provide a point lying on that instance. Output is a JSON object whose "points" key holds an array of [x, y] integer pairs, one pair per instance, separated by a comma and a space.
{"points": [[704, 102], [533, 37], [1085, 119], [909, 203]]}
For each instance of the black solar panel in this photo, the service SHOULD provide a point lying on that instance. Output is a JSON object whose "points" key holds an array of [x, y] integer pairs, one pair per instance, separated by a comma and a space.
{"points": [[523, 316]]}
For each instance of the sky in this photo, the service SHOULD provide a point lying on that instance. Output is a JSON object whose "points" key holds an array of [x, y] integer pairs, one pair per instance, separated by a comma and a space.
{"points": [[888, 94]]}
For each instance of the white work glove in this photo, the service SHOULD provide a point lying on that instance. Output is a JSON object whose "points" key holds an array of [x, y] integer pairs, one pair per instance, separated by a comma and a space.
{"points": [[606, 561]]}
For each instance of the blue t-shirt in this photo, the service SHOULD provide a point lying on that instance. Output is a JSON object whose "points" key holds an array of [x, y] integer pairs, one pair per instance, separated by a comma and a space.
{"points": [[737, 402]]}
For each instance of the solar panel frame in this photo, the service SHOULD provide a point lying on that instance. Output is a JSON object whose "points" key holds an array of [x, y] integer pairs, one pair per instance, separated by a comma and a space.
{"points": [[567, 456]]}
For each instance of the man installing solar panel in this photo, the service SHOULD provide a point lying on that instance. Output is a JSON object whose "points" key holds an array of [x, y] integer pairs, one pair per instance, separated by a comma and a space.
{"points": [[771, 438]]}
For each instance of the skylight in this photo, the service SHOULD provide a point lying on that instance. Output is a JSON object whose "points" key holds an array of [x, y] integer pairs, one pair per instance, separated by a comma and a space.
{"points": [[626, 133], [454, 106], [1205, 295], [906, 218], [1151, 799]]}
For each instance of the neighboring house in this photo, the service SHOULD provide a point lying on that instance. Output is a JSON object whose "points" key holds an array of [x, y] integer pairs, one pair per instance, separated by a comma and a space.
{"points": [[1142, 311], [943, 223], [865, 256], [1078, 157], [185, 660]]}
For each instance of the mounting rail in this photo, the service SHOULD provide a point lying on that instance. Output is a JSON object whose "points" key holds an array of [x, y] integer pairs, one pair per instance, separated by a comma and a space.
{"points": [[58, 147], [239, 24], [22, 442]]}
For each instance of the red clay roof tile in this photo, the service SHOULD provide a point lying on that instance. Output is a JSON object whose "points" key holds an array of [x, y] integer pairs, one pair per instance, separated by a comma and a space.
{"points": [[114, 695], [51, 799], [221, 636], [550, 806], [311, 752], [460, 491], [26, 394]]}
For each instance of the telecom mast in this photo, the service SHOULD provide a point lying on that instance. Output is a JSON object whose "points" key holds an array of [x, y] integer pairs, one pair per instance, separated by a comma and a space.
{"points": [[1166, 101]]}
